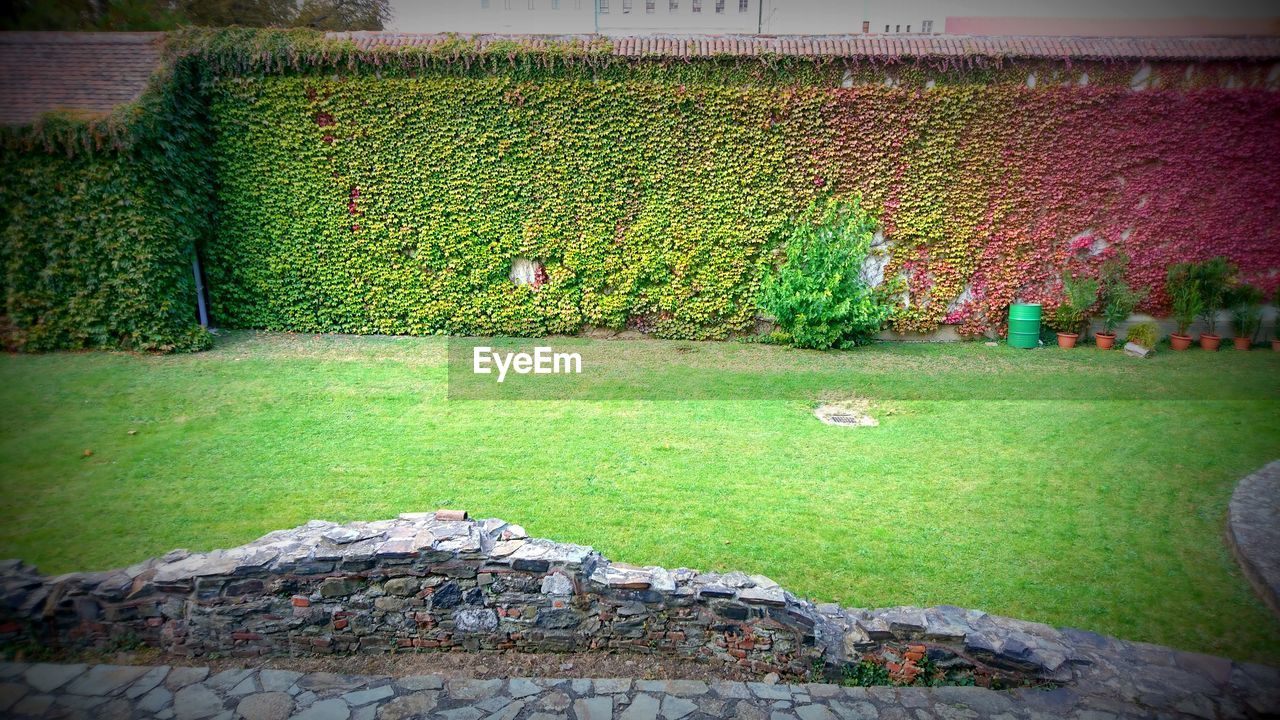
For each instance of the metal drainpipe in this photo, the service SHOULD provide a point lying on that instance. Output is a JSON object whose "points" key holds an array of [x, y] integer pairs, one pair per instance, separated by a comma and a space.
{"points": [[201, 310], [760, 17], [595, 14]]}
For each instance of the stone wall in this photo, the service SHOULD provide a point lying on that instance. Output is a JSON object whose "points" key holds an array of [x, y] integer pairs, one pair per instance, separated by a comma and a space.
{"points": [[443, 582]]}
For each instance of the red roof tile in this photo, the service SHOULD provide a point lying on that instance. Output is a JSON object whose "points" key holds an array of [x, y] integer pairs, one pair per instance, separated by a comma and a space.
{"points": [[89, 72], [94, 72]]}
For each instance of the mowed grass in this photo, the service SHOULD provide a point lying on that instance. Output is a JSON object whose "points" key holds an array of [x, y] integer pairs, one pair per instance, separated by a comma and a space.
{"points": [[1052, 501]]}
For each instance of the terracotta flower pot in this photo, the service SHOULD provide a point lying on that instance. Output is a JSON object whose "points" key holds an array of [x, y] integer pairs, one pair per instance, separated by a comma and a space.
{"points": [[1210, 342], [1242, 343], [1180, 342], [1275, 345], [1105, 340], [1067, 340]]}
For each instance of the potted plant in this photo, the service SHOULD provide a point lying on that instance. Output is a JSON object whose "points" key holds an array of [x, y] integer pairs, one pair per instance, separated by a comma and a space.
{"points": [[1185, 300], [1245, 303], [1143, 334], [1213, 278], [1118, 300], [1069, 317]]}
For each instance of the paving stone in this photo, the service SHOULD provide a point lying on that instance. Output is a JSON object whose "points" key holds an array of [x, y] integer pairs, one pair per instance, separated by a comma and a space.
{"points": [[522, 687], [114, 709], [82, 702], [104, 679], [274, 705], [814, 712], [507, 712], [273, 680], [196, 701], [364, 697], [33, 705], [610, 686], [557, 701], [580, 686], [156, 700], [332, 709], [181, 677], [726, 689], [12, 669], [854, 709], [408, 706], [596, 708], [10, 693], [462, 713], [643, 707], [227, 679], [368, 712], [494, 703], [47, 677], [247, 686], [769, 692], [414, 683], [472, 689], [547, 716], [323, 682], [148, 682], [674, 708]]}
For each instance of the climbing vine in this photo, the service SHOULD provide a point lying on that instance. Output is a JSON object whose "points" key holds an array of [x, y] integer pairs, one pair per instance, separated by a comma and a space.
{"points": [[390, 190]]}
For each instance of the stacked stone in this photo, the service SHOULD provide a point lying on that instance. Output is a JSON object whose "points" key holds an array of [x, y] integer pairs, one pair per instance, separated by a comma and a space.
{"points": [[434, 581]]}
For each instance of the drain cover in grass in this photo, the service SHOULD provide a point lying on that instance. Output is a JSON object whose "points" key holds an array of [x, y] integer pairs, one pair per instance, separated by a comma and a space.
{"points": [[846, 414]]}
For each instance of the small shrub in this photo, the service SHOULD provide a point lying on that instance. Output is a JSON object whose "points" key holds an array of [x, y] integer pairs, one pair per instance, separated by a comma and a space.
{"points": [[1145, 334], [1118, 299], [1079, 294], [1245, 303], [819, 297], [1213, 278], [1184, 294]]}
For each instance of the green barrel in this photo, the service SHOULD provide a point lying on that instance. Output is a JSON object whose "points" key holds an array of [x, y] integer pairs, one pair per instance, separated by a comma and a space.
{"points": [[1024, 325]]}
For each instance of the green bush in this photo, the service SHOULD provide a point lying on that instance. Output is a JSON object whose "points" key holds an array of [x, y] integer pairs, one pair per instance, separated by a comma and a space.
{"points": [[1213, 278], [1146, 334], [1079, 295], [819, 297], [1185, 297], [1245, 303], [1118, 299], [93, 257]]}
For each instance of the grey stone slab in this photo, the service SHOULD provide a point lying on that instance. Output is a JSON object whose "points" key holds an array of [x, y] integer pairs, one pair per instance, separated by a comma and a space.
{"points": [[274, 705], [610, 686], [104, 679], [462, 713], [148, 682], [849, 709], [194, 702], [596, 708], [10, 694], [815, 712], [472, 689], [156, 700], [416, 704], [414, 683], [357, 698], [33, 706], [247, 686], [674, 708], [508, 711], [332, 709], [769, 692], [12, 669], [273, 680], [47, 677], [522, 687], [181, 677], [643, 707], [728, 689], [227, 679]]}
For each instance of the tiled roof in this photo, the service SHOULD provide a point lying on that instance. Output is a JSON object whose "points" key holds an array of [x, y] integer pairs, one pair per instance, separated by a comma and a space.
{"points": [[95, 72], [89, 72], [873, 46]]}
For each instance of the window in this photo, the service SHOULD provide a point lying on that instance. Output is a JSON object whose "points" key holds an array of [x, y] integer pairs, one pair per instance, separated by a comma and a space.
{"points": [[626, 6], [926, 26], [673, 6], [603, 6], [484, 4], [886, 28], [720, 6], [897, 28], [650, 6], [555, 4], [908, 28], [697, 6], [742, 5], [866, 26]]}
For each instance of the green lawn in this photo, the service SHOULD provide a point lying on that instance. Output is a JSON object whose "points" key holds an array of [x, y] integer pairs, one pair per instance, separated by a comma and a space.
{"points": [[1012, 481]]}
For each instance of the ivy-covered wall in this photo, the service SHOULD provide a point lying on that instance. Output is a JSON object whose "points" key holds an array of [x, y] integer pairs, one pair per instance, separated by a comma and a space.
{"points": [[380, 201], [328, 187]]}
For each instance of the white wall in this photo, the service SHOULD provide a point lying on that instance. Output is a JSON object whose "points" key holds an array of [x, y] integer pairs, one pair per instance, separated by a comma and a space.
{"points": [[784, 17]]}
